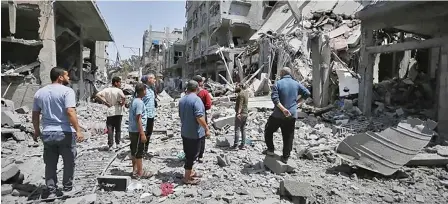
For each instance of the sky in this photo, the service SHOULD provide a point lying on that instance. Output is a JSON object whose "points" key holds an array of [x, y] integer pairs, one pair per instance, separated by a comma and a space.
{"points": [[127, 20]]}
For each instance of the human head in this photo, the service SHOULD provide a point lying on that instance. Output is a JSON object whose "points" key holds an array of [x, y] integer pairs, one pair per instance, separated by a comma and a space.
{"points": [[59, 75], [151, 79], [285, 71], [192, 86], [199, 80], [140, 90], [116, 82]]}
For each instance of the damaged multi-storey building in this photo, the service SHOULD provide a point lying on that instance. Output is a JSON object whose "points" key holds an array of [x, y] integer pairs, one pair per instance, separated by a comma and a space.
{"points": [[216, 32], [39, 35], [155, 45]]}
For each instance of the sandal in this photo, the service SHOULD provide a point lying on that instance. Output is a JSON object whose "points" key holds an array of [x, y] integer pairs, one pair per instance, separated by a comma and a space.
{"points": [[196, 175], [146, 175], [190, 182]]}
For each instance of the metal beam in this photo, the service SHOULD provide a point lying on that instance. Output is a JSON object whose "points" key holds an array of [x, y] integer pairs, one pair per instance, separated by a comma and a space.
{"points": [[430, 43]]}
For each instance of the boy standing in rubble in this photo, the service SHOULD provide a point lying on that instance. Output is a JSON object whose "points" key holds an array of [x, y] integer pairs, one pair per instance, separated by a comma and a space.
{"points": [[285, 94], [207, 102], [113, 97], [137, 125], [193, 129], [60, 130], [241, 111]]}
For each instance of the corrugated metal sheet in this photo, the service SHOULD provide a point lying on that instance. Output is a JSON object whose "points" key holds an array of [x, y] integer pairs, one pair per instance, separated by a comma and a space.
{"points": [[385, 152]]}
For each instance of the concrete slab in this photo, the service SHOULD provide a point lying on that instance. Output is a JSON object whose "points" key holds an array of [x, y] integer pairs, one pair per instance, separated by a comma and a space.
{"points": [[87, 199], [19, 136], [23, 110], [10, 118], [274, 164], [353, 40], [221, 122], [339, 31], [299, 192], [6, 189], [426, 159], [119, 183], [7, 104]]}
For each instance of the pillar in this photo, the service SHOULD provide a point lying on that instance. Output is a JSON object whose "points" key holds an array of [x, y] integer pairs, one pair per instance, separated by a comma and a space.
{"points": [[47, 55], [442, 99], [321, 57], [82, 85], [366, 71], [12, 7]]}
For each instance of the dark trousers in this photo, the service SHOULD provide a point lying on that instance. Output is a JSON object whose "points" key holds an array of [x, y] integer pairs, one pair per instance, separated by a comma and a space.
{"points": [[149, 129], [201, 151], [287, 126], [240, 126], [55, 144], [191, 149], [137, 147], [113, 124]]}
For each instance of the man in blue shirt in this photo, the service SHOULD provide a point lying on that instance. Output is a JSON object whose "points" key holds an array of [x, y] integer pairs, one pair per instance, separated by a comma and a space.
{"points": [[285, 97], [137, 125], [150, 107], [60, 130], [193, 128]]}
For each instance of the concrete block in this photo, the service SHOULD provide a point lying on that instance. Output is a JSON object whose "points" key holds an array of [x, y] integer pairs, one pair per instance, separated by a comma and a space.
{"points": [[10, 118], [10, 172], [23, 110], [353, 40], [173, 104], [399, 112], [169, 133], [115, 183], [274, 164], [7, 104], [6, 189], [225, 141], [426, 159], [19, 136], [296, 189], [87, 199], [221, 122], [339, 31]]}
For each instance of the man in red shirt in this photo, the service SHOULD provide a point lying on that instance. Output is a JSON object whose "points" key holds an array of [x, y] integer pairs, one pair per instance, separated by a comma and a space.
{"points": [[207, 101]]}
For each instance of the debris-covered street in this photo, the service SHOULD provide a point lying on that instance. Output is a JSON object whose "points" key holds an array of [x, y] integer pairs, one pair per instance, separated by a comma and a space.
{"points": [[370, 116]]}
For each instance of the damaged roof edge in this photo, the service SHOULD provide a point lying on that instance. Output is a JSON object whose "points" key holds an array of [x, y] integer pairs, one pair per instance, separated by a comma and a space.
{"points": [[103, 20], [379, 8]]}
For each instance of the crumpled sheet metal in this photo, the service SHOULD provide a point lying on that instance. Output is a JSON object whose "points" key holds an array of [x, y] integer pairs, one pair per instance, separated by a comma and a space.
{"points": [[385, 152]]}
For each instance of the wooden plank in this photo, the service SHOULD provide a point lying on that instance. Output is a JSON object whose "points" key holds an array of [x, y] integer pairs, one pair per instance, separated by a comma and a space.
{"points": [[430, 43], [366, 71]]}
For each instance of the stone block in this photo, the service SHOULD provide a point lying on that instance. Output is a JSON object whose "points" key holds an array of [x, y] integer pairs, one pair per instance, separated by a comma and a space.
{"points": [[23, 110], [87, 199], [6, 189], [10, 118], [221, 122], [274, 164], [10, 172], [298, 192], [115, 183]]}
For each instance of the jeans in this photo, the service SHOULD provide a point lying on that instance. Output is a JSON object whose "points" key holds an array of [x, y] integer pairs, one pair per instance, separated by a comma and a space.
{"points": [[55, 144], [149, 129], [287, 125], [113, 124], [240, 126], [191, 149]]}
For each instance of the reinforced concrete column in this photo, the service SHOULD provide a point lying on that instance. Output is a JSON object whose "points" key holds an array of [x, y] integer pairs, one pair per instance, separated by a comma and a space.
{"points": [[47, 55]]}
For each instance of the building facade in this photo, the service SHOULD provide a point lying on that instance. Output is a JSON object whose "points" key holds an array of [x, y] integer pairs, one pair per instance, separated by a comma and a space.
{"points": [[154, 45], [219, 25], [174, 61]]}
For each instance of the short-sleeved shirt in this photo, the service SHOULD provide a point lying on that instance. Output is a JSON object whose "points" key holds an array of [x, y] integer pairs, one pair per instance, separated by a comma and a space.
{"points": [[113, 96], [52, 101], [137, 108], [149, 101], [190, 108]]}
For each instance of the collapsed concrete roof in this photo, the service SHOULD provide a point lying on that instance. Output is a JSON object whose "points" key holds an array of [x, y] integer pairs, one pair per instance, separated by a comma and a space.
{"points": [[87, 14], [280, 20], [419, 17]]}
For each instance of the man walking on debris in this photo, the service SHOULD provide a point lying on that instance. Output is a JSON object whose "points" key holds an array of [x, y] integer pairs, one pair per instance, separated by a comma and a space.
{"points": [[285, 97], [207, 101], [193, 129], [149, 100], [241, 115], [137, 125], [113, 97], [60, 130]]}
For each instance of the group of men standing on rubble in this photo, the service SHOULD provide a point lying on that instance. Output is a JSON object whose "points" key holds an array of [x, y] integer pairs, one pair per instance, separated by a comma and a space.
{"points": [[56, 103]]}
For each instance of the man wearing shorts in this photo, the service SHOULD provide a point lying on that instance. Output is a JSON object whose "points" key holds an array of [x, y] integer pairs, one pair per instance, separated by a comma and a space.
{"points": [[193, 129], [137, 125]]}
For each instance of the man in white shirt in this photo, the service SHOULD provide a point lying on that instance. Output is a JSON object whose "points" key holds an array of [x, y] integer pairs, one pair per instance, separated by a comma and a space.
{"points": [[113, 97]]}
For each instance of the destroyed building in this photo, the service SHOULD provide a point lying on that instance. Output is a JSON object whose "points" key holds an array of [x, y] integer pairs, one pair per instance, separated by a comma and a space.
{"points": [[39, 35], [212, 25], [155, 44], [174, 60]]}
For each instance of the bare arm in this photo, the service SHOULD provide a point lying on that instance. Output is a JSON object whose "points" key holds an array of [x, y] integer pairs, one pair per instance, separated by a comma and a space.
{"points": [[102, 99], [36, 122], [140, 124], [201, 121], [71, 113]]}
